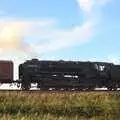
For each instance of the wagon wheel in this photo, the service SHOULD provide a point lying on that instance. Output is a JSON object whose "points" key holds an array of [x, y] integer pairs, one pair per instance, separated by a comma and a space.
{"points": [[25, 86], [18, 85], [109, 88]]}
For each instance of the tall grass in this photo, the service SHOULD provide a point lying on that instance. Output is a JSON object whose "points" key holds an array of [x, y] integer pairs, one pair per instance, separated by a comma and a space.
{"points": [[59, 106]]}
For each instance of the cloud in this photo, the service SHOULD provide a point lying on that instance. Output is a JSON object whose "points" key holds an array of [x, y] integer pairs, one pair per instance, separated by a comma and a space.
{"points": [[59, 39], [114, 59], [91, 7], [13, 33], [86, 5], [54, 39]]}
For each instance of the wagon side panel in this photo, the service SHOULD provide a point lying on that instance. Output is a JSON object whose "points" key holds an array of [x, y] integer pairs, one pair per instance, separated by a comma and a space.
{"points": [[6, 71]]}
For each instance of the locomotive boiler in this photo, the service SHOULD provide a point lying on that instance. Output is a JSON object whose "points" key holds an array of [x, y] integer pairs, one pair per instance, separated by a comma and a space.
{"points": [[66, 75]]}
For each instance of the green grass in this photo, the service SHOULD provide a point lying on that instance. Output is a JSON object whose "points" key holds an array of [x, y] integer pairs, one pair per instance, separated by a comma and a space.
{"points": [[59, 106]]}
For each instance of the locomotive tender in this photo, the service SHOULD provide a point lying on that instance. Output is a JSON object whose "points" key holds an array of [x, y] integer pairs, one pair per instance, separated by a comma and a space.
{"points": [[65, 75]]}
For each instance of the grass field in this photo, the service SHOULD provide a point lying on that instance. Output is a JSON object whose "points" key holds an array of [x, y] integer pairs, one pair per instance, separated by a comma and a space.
{"points": [[59, 106]]}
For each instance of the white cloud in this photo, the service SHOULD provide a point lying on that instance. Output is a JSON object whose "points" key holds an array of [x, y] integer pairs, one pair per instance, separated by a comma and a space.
{"points": [[86, 5], [53, 39], [114, 59], [12, 32], [58, 39], [91, 7]]}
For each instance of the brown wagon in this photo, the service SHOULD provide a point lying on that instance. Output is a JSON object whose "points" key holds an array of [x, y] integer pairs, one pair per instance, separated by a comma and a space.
{"points": [[6, 71]]}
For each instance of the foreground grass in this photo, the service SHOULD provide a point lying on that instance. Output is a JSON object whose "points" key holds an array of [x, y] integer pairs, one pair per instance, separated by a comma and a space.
{"points": [[59, 106]]}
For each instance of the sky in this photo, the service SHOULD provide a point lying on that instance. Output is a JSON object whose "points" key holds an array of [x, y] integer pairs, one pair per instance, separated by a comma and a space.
{"points": [[59, 29]]}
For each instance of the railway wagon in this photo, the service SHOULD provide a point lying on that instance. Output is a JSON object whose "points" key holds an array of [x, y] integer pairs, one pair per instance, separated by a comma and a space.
{"points": [[6, 71], [68, 74]]}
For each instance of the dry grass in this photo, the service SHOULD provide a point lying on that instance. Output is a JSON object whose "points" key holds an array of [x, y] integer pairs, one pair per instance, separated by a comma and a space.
{"points": [[59, 106]]}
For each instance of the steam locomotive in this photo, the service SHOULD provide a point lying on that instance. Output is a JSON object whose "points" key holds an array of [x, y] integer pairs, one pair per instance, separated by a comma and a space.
{"points": [[67, 75]]}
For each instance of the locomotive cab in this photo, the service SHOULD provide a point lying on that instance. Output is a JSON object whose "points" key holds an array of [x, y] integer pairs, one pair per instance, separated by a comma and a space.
{"points": [[115, 75], [102, 68], [103, 75]]}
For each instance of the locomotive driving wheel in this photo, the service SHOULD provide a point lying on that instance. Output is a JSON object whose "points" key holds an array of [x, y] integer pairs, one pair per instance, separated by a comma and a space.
{"points": [[25, 83], [25, 86]]}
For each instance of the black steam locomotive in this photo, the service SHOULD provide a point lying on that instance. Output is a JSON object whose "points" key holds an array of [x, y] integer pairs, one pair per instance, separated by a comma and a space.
{"points": [[67, 75]]}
